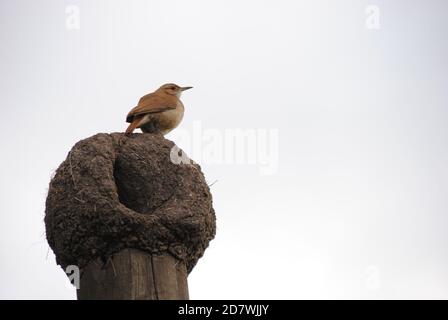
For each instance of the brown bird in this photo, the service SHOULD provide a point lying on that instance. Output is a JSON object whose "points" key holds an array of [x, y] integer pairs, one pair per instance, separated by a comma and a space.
{"points": [[158, 112]]}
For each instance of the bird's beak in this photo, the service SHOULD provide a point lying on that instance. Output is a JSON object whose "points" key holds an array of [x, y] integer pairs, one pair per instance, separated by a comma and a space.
{"points": [[185, 88]]}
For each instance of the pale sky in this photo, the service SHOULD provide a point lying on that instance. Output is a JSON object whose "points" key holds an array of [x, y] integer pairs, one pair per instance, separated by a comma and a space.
{"points": [[356, 207]]}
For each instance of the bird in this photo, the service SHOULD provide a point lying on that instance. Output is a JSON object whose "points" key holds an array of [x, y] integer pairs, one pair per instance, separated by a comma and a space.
{"points": [[158, 112]]}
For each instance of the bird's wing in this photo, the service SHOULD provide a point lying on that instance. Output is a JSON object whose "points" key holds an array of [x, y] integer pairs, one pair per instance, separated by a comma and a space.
{"points": [[152, 103]]}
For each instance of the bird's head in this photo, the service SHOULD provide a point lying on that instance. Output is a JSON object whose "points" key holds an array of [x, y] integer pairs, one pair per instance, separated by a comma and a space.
{"points": [[173, 89]]}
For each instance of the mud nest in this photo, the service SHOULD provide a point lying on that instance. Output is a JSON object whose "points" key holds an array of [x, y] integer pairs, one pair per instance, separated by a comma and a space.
{"points": [[115, 192]]}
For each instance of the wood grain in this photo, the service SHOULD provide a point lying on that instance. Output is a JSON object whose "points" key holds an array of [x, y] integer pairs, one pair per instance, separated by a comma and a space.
{"points": [[134, 275]]}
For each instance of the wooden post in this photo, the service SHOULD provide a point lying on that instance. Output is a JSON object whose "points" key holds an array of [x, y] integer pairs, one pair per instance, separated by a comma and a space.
{"points": [[134, 275]]}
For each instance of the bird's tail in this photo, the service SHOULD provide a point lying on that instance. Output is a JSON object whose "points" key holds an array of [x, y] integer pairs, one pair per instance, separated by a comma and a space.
{"points": [[134, 124]]}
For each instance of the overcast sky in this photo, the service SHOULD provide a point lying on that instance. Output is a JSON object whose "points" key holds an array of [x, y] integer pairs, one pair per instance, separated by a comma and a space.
{"points": [[348, 100]]}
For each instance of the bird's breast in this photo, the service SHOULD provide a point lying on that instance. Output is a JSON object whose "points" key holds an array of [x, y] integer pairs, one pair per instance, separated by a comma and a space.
{"points": [[170, 119]]}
